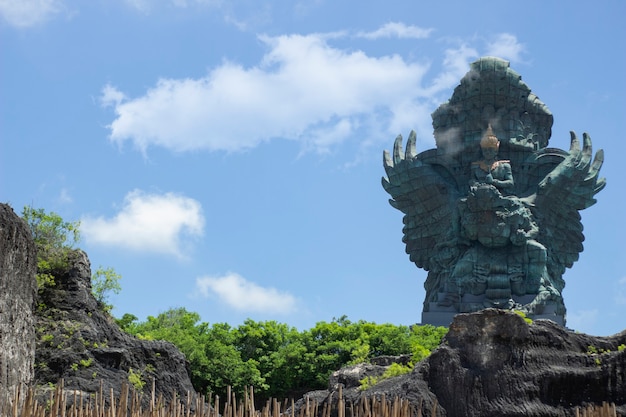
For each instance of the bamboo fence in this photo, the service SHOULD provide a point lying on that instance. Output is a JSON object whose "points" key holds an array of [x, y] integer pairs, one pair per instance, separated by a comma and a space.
{"points": [[104, 404]]}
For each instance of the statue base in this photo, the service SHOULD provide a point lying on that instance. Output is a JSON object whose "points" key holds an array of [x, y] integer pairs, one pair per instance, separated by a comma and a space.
{"points": [[442, 315]]}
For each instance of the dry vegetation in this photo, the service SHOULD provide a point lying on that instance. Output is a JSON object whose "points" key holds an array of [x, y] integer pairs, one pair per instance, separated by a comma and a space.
{"points": [[101, 404], [60, 404]]}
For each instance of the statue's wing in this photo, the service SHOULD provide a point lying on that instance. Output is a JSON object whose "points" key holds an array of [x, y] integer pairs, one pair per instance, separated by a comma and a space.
{"points": [[422, 187], [566, 189]]}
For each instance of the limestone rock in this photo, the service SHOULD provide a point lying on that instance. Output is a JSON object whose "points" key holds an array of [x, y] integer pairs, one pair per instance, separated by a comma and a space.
{"points": [[18, 287], [494, 363], [79, 343], [351, 376]]}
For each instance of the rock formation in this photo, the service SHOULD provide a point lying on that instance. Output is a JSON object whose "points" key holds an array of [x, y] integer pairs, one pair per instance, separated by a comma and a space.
{"points": [[18, 287], [80, 343], [494, 363], [61, 332]]}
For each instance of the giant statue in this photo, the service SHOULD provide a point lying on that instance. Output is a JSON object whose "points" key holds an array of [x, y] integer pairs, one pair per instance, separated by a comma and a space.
{"points": [[493, 213]]}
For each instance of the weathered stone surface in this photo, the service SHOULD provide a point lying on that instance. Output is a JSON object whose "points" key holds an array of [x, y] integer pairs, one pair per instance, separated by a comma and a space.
{"points": [[493, 363], [78, 342], [351, 376], [496, 364], [18, 287]]}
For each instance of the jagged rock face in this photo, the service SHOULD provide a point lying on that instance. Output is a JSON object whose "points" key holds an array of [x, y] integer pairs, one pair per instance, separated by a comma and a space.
{"points": [[494, 363], [351, 376], [18, 265], [81, 344]]}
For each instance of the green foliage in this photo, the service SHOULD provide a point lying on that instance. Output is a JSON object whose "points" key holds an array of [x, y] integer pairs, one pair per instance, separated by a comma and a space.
{"points": [[135, 379], [523, 315], [395, 369], [128, 323], [424, 339], [54, 239], [278, 352], [103, 282], [274, 358], [621, 347], [214, 360], [86, 363], [47, 338], [418, 352]]}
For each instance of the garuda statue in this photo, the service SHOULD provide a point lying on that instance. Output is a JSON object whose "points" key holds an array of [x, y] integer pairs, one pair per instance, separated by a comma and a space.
{"points": [[493, 213]]}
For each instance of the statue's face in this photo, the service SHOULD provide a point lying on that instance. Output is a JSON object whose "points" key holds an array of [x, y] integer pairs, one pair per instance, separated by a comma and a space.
{"points": [[489, 153]]}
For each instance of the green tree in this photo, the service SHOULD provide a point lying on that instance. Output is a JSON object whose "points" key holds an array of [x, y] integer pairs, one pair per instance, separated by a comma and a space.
{"points": [[425, 339], [103, 282], [226, 365], [278, 360], [278, 350], [179, 327], [214, 360], [54, 239], [128, 323], [331, 346]]}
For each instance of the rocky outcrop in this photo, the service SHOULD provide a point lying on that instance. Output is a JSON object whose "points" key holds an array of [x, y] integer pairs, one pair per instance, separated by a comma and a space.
{"points": [[81, 344], [494, 363], [351, 376], [18, 287]]}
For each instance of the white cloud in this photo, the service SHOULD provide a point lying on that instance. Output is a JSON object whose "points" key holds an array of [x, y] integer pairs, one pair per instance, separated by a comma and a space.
{"points": [[27, 13], [246, 296], [160, 223], [64, 196], [303, 89], [397, 30], [455, 64], [141, 5], [111, 97], [302, 85], [506, 46]]}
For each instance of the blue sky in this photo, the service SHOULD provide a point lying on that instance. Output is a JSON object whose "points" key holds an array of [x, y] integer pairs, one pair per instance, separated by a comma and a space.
{"points": [[226, 156]]}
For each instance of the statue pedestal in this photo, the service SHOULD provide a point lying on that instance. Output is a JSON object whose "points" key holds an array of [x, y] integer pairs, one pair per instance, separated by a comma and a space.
{"points": [[443, 315]]}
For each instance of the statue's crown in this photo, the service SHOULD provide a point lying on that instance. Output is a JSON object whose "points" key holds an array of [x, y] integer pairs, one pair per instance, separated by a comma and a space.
{"points": [[489, 139]]}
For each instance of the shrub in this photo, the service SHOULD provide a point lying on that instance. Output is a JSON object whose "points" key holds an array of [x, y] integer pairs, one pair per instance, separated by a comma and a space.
{"points": [[136, 380], [103, 282], [395, 369], [54, 239]]}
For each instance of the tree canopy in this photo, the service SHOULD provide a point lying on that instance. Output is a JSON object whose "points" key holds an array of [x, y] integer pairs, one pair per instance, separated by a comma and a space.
{"points": [[278, 360]]}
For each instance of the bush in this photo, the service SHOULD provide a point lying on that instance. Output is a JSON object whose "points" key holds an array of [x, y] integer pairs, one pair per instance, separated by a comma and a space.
{"points": [[276, 359], [103, 282], [54, 239], [395, 369]]}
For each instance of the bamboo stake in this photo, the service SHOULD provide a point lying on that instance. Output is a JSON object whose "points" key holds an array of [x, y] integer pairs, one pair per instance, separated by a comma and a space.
{"points": [[22, 403], [340, 405], [307, 414]]}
